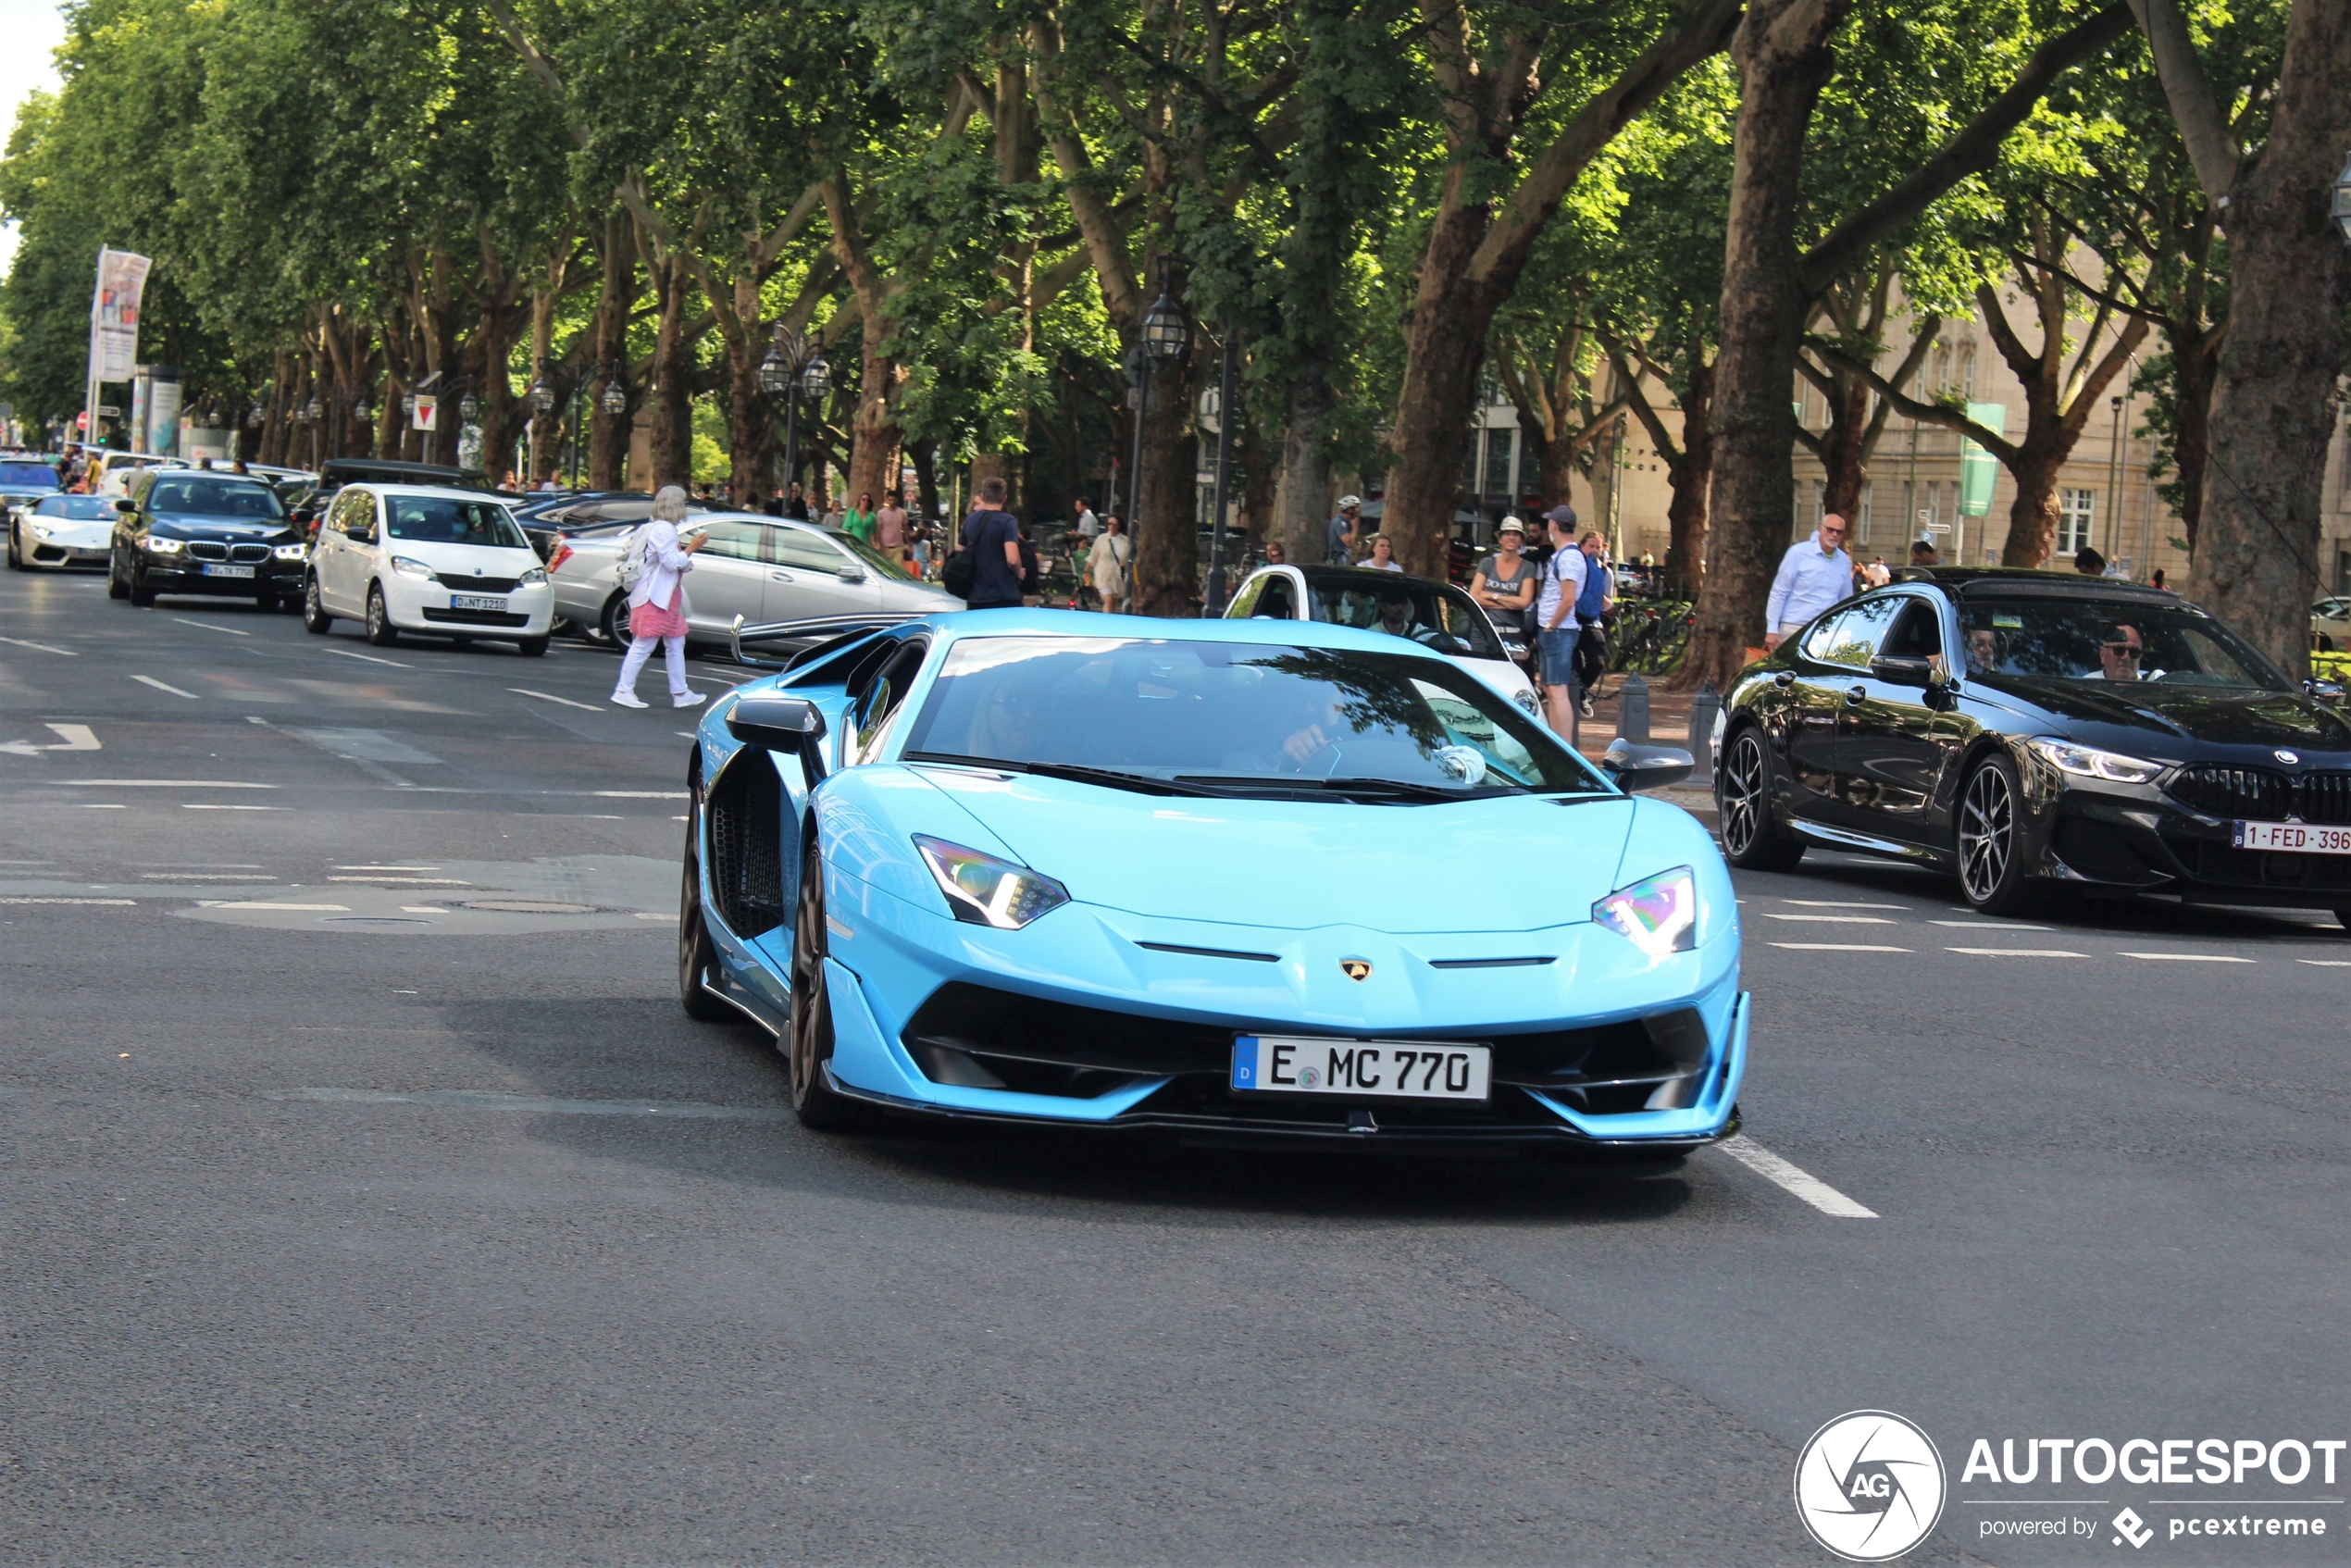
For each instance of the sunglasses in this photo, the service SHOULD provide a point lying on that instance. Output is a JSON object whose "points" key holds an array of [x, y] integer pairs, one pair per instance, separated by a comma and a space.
{"points": [[2124, 649]]}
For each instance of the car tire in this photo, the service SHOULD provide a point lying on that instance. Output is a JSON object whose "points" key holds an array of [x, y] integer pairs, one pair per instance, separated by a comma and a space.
{"points": [[315, 618], [531, 647], [381, 631], [1988, 840], [115, 588], [2343, 918], [809, 1040], [697, 958], [16, 557], [613, 626], [142, 596], [1752, 839]]}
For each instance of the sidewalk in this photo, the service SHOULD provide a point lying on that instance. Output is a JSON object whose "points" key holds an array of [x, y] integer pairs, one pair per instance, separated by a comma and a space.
{"points": [[1669, 725]]}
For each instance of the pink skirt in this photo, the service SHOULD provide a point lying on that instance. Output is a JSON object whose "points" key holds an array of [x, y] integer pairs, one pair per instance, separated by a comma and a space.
{"points": [[652, 620]]}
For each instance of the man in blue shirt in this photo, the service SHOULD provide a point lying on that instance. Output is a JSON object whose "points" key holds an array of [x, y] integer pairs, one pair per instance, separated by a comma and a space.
{"points": [[1814, 573], [1343, 529], [1591, 608], [1556, 623], [992, 535]]}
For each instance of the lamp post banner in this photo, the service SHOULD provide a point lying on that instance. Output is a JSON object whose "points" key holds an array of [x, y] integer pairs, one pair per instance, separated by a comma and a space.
{"points": [[114, 315]]}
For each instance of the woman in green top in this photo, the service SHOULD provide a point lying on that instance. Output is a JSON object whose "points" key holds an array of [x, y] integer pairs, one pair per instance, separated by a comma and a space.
{"points": [[860, 520]]}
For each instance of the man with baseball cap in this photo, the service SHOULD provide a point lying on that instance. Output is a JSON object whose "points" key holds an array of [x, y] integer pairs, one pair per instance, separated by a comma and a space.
{"points": [[1343, 529], [1555, 625]]}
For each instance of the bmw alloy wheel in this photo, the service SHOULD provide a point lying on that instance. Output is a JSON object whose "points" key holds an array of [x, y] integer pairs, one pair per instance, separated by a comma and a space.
{"points": [[1992, 870], [1750, 839]]}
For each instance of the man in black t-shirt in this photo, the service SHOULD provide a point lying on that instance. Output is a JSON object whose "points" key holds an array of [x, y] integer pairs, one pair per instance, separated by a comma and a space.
{"points": [[992, 535]]}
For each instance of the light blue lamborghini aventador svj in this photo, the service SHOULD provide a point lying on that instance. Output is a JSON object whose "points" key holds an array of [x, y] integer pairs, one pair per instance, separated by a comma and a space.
{"points": [[1248, 879]]}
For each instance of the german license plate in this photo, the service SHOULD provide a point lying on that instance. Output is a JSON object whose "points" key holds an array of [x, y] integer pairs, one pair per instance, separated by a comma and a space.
{"points": [[212, 571], [475, 602], [2294, 838], [1403, 1069]]}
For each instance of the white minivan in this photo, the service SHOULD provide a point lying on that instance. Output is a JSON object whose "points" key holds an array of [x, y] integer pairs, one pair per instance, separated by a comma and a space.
{"points": [[418, 558]]}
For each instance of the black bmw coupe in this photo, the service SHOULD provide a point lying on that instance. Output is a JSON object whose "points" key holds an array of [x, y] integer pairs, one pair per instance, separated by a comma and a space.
{"points": [[2024, 728]]}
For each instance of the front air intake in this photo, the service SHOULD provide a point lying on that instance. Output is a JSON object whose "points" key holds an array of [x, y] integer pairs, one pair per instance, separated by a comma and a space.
{"points": [[745, 812]]}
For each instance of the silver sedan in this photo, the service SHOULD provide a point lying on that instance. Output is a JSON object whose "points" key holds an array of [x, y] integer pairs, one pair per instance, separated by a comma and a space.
{"points": [[757, 567]]}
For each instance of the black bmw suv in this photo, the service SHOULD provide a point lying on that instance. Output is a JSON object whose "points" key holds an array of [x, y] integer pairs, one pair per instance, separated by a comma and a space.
{"points": [[189, 530]]}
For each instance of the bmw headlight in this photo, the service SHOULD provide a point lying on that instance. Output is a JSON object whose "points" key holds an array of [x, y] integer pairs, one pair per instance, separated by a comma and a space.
{"points": [[2088, 761], [1658, 915], [288, 551], [157, 544], [409, 566], [987, 891], [536, 574]]}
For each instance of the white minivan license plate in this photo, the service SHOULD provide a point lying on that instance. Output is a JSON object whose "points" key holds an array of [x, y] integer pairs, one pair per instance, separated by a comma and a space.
{"points": [[2294, 838], [475, 602], [1410, 1069], [211, 570]]}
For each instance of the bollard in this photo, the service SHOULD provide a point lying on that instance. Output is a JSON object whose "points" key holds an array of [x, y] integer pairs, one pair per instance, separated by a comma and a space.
{"points": [[1704, 708], [1633, 709]]}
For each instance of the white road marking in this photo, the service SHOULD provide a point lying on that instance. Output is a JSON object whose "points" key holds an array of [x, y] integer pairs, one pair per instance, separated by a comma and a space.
{"points": [[133, 902], [420, 909], [167, 784], [484, 1099], [405, 882], [104, 805], [2016, 952], [2326, 962], [653, 914], [1990, 926], [292, 908], [1831, 920], [551, 697], [347, 654], [150, 680], [387, 868], [2190, 958], [200, 877], [191, 806], [1804, 1185], [40, 647], [76, 738], [208, 625], [640, 794], [1840, 904], [1838, 947]]}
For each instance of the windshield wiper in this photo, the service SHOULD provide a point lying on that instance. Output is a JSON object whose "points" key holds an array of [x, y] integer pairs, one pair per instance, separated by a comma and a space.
{"points": [[1395, 788], [1142, 783]]}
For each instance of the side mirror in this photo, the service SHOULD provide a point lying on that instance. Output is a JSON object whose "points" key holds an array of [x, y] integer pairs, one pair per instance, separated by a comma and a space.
{"points": [[2325, 691], [1637, 768], [853, 574], [781, 723], [126, 504], [1903, 670]]}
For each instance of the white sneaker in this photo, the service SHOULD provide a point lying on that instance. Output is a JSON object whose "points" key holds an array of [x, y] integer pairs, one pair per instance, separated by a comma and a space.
{"points": [[628, 699], [690, 700]]}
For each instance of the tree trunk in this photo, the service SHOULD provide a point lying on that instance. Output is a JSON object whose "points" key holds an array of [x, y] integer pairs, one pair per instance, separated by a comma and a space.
{"points": [[924, 455], [1166, 548], [1781, 53], [1444, 349], [1260, 477], [751, 426], [608, 444], [544, 445], [1842, 454], [671, 424], [1689, 473], [2194, 362], [1305, 489], [285, 370], [2033, 519]]}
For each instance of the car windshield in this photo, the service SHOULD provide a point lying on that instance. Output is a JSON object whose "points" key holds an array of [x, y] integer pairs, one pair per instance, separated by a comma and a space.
{"points": [[2110, 639], [873, 559], [214, 498], [1244, 717], [1430, 614], [80, 508], [439, 519], [27, 476]]}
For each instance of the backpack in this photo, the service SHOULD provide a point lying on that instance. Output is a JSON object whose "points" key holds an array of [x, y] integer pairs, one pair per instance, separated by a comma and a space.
{"points": [[1031, 578], [632, 560], [956, 576]]}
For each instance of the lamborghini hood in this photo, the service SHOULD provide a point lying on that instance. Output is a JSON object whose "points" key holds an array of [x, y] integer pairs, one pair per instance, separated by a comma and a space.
{"points": [[1508, 862]]}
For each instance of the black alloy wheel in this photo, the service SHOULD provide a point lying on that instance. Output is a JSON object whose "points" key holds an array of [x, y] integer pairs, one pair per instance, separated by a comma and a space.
{"points": [[1991, 841], [696, 959], [381, 631], [615, 628], [531, 647], [115, 588], [810, 1044], [315, 618], [1752, 840]]}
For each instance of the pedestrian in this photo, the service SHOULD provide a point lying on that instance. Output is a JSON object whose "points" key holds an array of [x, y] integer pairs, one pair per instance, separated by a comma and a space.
{"points": [[1276, 555], [889, 528], [2157, 581], [1594, 605], [918, 551], [1088, 525], [1383, 555], [859, 519], [1343, 529], [1503, 584], [1814, 573], [657, 601], [992, 535], [2089, 563], [834, 515], [1923, 553], [1108, 562], [775, 505], [1876, 573], [1556, 619]]}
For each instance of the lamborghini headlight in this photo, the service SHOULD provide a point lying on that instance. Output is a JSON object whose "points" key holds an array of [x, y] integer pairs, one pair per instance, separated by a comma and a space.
{"points": [[2088, 761], [1658, 915], [987, 891]]}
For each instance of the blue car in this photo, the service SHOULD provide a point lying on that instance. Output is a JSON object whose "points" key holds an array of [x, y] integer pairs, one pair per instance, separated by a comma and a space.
{"points": [[1247, 880]]}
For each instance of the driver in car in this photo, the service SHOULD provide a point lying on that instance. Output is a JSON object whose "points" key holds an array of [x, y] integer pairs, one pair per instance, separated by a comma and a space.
{"points": [[1394, 615], [1982, 651], [2121, 652]]}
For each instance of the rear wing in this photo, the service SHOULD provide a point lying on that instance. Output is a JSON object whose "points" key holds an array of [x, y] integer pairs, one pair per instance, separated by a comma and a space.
{"points": [[811, 637]]}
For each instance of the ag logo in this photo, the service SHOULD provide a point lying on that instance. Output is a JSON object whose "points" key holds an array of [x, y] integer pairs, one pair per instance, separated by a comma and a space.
{"points": [[1869, 1486], [1355, 968]]}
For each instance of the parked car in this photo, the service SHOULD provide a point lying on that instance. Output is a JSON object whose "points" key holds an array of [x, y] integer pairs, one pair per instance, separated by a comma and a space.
{"points": [[2024, 728], [414, 559], [2331, 624], [111, 472], [551, 521], [757, 567], [184, 530], [24, 481], [311, 504], [1436, 615], [60, 531]]}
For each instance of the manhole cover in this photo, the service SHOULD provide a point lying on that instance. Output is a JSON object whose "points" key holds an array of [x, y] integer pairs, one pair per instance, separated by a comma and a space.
{"points": [[370, 920], [525, 907]]}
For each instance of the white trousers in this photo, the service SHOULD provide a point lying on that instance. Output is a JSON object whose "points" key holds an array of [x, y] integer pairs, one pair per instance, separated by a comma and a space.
{"points": [[673, 651]]}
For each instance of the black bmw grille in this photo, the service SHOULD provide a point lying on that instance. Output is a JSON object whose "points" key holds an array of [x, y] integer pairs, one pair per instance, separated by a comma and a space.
{"points": [[2257, 794], [249, 553], [746, 846], [208, 550]]}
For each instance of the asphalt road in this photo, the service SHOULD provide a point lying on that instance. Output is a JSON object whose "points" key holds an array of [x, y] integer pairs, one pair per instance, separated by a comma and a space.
{"points": [[365, 1196]]}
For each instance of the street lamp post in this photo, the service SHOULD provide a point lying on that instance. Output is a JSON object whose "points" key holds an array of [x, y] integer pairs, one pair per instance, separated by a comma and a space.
{"points": [[2341, 210], [795, 364], [542, 398], [1214, 604], [1165, 338]]}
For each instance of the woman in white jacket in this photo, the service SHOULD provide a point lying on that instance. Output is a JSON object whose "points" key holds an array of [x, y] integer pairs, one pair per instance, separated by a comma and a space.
{"points": [[657, 602]]}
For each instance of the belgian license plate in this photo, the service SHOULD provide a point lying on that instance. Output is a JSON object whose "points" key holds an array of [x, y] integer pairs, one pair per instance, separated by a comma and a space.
{"points": [[2294, 838], [475, 602], [212, 571], [1406, 1069]]}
